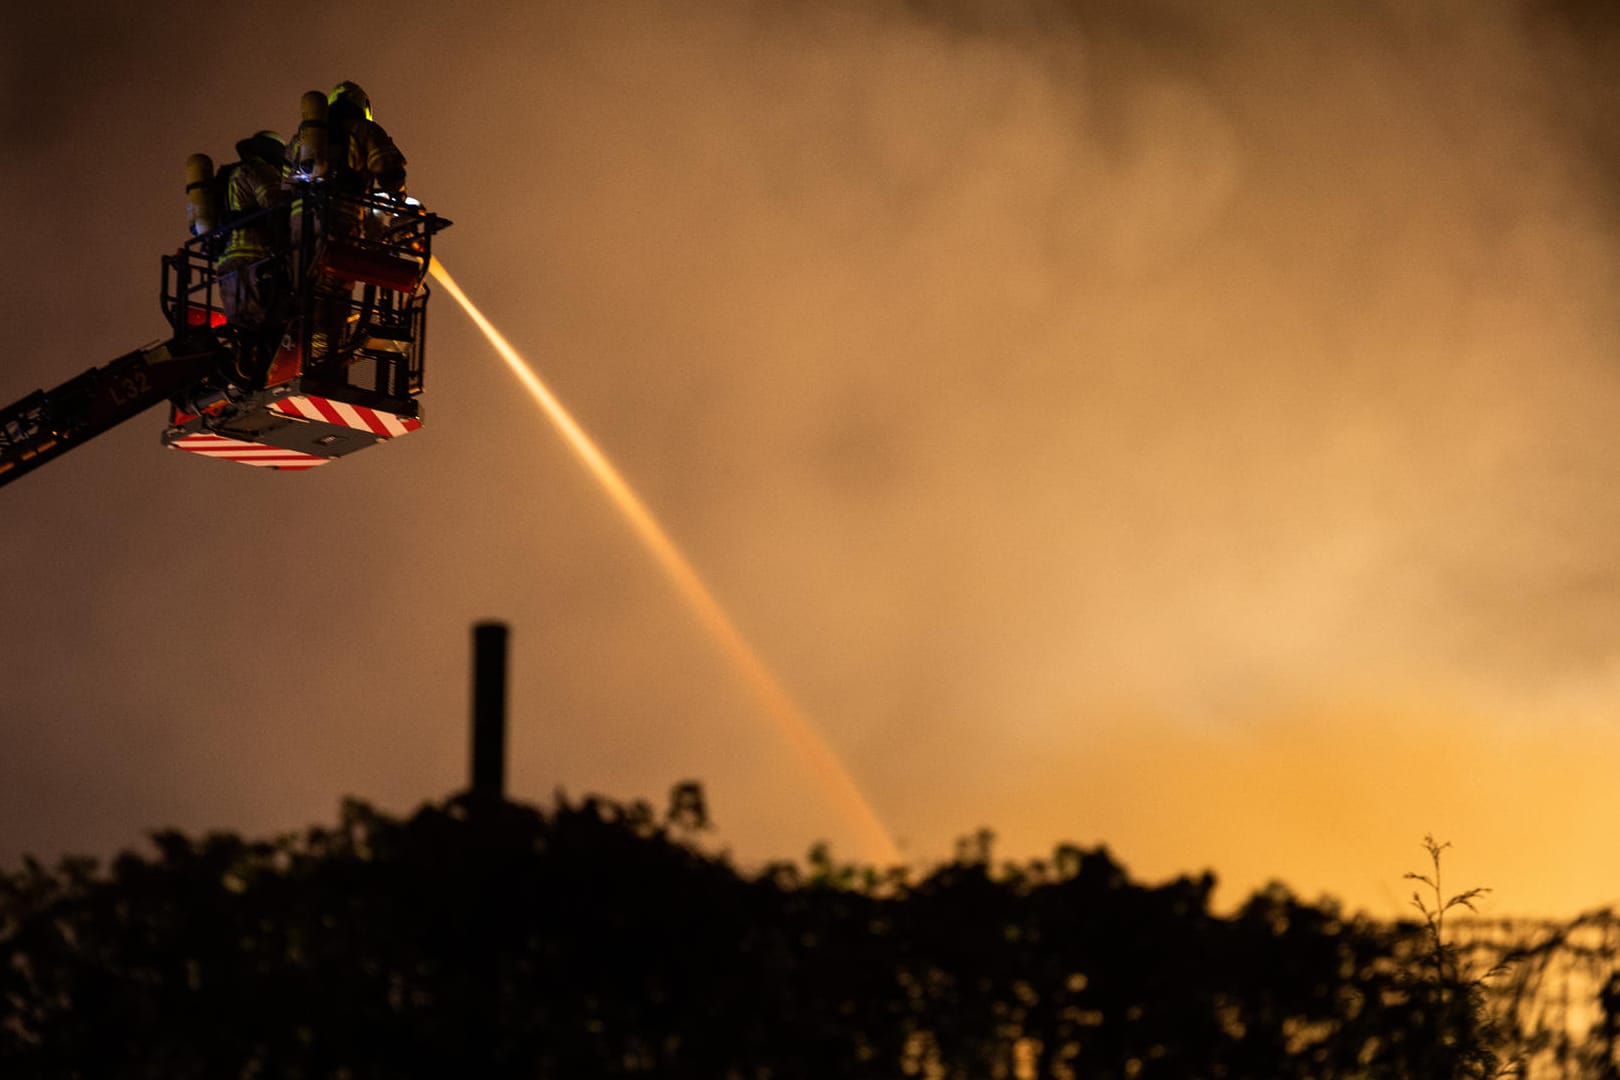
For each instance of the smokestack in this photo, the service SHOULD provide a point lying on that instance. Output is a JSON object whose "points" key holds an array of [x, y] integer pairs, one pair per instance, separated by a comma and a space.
{"points": [[489, 711]]}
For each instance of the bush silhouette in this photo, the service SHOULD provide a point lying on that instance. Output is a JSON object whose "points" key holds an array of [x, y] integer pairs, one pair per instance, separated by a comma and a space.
{"points": [[597, 939]]}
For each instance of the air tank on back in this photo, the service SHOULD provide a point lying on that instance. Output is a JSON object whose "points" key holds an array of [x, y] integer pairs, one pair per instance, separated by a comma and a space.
{"points": [[201, 212]]}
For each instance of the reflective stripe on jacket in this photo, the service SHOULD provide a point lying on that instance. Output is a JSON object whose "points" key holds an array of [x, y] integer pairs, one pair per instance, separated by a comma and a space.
{"points": [[253, 186]]}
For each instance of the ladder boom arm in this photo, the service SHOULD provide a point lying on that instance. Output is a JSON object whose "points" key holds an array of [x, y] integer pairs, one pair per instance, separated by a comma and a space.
{"points": [[48, 423]]}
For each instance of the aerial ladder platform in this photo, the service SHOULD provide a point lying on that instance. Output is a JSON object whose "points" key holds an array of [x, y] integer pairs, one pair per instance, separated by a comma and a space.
{"points": [[338, 367]]}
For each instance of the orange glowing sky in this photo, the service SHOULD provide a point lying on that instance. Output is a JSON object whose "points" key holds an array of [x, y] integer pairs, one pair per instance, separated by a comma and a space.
{"points": [[1180, 426]]}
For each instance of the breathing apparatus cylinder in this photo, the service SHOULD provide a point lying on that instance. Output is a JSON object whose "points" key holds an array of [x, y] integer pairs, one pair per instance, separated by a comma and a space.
{"points": [[202, 211], [312, 135]]}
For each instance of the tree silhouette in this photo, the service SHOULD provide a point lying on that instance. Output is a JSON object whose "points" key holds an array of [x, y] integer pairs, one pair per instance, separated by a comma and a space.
{"points": [[598, 939]]}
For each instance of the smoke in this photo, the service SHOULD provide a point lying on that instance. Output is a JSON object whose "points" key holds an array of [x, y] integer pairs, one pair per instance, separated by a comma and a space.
{"points": [[1214, 365], [1158, 423]]}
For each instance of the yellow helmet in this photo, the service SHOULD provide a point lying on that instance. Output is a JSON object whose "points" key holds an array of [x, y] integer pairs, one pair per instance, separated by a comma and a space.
{"points": [[350, 92]]}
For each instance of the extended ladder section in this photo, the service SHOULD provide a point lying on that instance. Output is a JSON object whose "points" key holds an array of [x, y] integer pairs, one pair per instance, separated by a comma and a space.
{"points": [[48, 423]]}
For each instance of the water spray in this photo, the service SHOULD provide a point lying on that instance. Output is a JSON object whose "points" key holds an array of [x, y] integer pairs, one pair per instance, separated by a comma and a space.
{"points": [[794, 726]]}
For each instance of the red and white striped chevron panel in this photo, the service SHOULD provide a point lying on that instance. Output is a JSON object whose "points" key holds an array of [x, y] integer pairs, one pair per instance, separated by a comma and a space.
{"points": [[247, 453], [382, 424]]}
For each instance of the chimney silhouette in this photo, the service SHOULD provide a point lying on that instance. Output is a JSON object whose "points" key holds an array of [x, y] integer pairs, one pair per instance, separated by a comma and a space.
{"points": [[489, 711]]}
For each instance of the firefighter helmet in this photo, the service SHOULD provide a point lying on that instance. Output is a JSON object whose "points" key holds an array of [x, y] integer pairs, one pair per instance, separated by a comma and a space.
{"points": [[263, 146], [350, 92]]}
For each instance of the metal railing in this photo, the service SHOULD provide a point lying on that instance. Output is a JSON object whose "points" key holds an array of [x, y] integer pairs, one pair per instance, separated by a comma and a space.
{"points": [[351, 298]]}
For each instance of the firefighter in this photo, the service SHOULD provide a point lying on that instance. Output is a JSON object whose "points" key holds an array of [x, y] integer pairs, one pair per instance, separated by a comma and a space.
{"points": [[251, 270], [338, 142], [363, 158], [344, 145], [346, 150]]}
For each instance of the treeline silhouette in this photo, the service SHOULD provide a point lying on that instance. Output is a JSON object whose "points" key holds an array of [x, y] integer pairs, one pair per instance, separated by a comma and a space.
{"points": [[599, 939]]}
